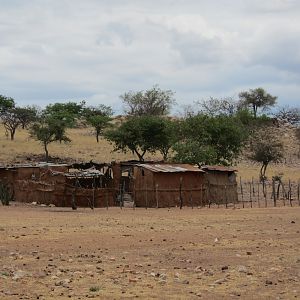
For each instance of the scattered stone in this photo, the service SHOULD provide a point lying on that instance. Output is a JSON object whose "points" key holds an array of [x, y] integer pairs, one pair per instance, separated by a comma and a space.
{"points": [[249, 253], [19, 274], [242, 269], [224, 268], [269, 282]]}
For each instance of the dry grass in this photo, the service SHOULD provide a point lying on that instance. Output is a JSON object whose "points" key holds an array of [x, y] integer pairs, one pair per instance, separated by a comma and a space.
{"points": [[85, 148]]}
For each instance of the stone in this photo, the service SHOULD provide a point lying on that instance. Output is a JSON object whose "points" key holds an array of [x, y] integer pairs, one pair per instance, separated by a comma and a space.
{"points": [[242, 269]]}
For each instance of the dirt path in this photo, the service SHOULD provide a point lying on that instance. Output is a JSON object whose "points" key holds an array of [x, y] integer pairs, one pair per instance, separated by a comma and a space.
{"points": [[54, 253]]}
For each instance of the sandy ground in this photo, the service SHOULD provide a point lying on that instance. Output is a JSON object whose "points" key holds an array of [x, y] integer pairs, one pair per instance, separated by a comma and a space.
{"points": [[55, 253]]}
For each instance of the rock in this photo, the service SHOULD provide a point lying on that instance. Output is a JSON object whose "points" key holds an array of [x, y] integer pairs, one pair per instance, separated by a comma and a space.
{"points": [[51, 205], [163, 276], [216, 240], [249, 253], [242, 269], [19, 274], [224, 268], [220, 281], [269, 282], [34, 203], [293, 222]]}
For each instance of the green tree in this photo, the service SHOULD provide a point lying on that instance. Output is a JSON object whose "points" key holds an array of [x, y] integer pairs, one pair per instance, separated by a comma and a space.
{"points": [[47, 131], [6, 103], [219, 140], [99, 123], [69, 112], [153, 102], [257, 99], [139, 135]]}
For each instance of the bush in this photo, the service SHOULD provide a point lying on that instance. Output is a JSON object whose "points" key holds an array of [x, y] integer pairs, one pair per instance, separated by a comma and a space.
{"points": [[5, 194]]}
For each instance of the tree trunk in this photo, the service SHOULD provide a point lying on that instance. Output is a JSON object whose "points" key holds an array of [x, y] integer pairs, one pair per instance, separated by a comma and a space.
{"points": [[12, 134], [97, 137], [46, 152]]}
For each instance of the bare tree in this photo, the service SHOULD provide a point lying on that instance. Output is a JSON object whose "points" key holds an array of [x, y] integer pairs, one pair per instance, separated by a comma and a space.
{"points": [[290, 115]]}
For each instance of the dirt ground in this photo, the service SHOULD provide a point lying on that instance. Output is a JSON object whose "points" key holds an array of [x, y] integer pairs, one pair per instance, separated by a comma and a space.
{"points": [[57, 253]]}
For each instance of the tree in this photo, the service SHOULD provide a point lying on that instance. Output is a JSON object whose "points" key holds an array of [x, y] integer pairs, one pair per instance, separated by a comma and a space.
{"points": [[138, 135], [218, 106], [153, 102], [290, 115], [47, 131], [167, 136], [6, 103], [266, 149], [27, 115], [68, 112], [211, 140], [98, 117], [11, 121], [99, 123], [257, 99]]}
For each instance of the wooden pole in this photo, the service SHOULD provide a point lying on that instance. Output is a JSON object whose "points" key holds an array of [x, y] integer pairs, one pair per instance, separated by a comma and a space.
{"points": [[226, 200], [258, 195], [191, 199], [94, 191], [290, 192], [250, 185], [106, 196], [265, 192], [146, 195], [180, 193], [298, 192], [156, 195], [242, 193], [273, 192]]}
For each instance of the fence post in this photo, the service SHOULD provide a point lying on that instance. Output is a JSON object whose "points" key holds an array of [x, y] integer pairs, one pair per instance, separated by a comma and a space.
{"points": [[258, 195], [226, 201], [273, 192], [106, 196], [180, 193], [191, 199], [146, 196], [298, 192], [156, 195], [265, 192], [250, 194], [290, 192], [241, 186]]}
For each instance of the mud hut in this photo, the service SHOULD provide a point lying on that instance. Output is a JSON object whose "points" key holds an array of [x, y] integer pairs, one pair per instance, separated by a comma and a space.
{"points": [[221, 184], [167, 185]]}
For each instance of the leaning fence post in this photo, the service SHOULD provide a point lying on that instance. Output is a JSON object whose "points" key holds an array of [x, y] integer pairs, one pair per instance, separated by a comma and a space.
{"points": [[156, 195], [106, 196]]}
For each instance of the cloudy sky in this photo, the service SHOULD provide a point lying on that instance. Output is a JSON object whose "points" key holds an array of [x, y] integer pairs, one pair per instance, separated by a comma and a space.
{"points": [[59, 50]]}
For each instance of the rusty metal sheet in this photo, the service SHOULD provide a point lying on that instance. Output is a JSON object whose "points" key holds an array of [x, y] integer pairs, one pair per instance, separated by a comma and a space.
{"points": [[170, 168], [218, 168]]}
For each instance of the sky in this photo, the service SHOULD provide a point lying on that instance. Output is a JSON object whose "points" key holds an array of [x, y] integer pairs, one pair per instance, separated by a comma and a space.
{"points": [[96, 50]]}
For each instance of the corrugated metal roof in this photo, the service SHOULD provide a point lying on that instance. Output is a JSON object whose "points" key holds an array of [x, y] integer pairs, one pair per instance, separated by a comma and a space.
{"points": [[218, 168], [35, 165], [167, 168]]}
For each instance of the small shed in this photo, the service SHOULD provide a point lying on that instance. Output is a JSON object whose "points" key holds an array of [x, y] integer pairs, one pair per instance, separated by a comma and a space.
{"points": [[167, 185], [221, 184]]}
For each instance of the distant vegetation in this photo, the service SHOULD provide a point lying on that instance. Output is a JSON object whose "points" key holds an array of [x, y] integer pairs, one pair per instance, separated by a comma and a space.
{"points": [[212, 131]]}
